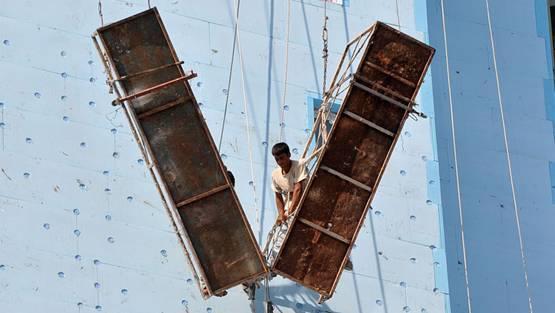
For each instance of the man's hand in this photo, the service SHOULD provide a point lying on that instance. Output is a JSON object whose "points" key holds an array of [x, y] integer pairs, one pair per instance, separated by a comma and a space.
{"points": [[281, 208], [281, 218], [297, 191]]}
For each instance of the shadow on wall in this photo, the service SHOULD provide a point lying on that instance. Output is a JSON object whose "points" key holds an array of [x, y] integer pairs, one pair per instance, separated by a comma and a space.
{"points": [[292, 296]]}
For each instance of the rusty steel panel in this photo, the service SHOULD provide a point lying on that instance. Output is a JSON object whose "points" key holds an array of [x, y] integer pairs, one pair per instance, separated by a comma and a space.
{"points": [[352, 163], [167, 120]]}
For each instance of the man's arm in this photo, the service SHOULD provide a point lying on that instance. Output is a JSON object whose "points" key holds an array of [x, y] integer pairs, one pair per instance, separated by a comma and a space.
{"points": [[297, 192], [280, 206]]}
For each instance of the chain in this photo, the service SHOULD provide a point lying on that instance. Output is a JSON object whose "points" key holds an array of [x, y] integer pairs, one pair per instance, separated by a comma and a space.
{"points": [[325, 49], [100, 13]]}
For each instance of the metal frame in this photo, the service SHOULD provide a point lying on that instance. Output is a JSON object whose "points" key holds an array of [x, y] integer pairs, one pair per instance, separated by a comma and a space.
{"points": [[149, 71], [346, 178], [320, 151], [116, 81], [332, 93], [154, 88], [368, 123], [383, 70], [198, 272], [328, 99]]}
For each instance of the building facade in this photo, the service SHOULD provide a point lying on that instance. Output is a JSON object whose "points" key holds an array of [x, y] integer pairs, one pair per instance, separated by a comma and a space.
{"points": [[461, 221], [493, 94]]}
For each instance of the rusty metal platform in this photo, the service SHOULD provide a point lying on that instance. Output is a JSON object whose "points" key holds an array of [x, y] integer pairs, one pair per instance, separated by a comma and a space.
{"points": [[153, 89], [339, 193]]}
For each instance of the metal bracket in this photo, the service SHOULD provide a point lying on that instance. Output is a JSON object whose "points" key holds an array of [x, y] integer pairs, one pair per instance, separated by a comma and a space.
{"points": [[346, 178], [152, 70], [324, 230], [154, 88]]}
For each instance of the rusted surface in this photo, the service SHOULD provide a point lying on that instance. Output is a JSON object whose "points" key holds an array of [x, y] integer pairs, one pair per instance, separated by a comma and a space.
{"points": [[219, 239], [139, 44], [205, 207], [181, 150], [393, 65]]}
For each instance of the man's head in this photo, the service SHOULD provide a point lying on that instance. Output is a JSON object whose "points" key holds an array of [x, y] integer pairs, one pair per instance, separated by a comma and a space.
{"points": [[282, 155], [231, 178]]}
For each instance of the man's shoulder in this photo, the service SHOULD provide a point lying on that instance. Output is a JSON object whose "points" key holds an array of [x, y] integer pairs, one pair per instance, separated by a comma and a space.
{"points": [[276, 171], [297, 164]]}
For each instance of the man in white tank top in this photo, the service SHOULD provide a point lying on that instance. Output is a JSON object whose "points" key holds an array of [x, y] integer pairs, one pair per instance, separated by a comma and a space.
{"points": [[288, 181]]}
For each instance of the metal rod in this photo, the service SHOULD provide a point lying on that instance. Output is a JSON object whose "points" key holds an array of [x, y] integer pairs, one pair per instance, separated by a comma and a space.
{"points": [[154, 88], [380, 95], [312, 133], [356, 49], [346, 178], [202, 195], [314, 154], [324, 230], [367, 122], [148, 71], [337, 86], [379, 86], [163, 107], [397, 77], [396, 94], [364, 32]]}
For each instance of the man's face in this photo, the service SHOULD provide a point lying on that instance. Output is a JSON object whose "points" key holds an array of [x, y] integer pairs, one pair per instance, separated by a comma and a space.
{"points": [[283, 160]]}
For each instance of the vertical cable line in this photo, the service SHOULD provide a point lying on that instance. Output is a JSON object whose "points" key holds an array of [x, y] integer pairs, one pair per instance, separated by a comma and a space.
{"points": [[282, 108], [509, 163], [454, 139], [236, 29]]}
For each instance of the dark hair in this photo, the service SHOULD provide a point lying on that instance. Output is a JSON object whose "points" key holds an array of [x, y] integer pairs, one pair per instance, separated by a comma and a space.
{"points": [[231, 178], [280, 148]]}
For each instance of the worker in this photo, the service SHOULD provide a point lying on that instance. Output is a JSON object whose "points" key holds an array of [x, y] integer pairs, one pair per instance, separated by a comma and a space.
{"points": [[288, 181], [230, 177]]}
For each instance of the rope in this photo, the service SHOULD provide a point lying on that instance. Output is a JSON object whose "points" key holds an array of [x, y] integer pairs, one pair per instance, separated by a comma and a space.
{"points": [[235, 31], [270, 241], [398, 15], [100, 13], [509, 164], [457, 178], [282, 108], [324, 108], [325, 47], [246, 109], [269, 305]]}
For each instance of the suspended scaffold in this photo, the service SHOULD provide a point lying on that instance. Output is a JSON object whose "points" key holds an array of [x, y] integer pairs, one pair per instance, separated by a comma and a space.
{"points": [[153, 90], [352, 156], [348, 160]]}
